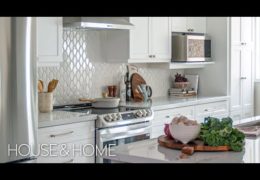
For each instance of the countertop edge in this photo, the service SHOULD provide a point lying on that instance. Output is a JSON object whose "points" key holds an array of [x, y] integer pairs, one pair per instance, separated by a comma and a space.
{"points": [[191, 103], [46, 124]]}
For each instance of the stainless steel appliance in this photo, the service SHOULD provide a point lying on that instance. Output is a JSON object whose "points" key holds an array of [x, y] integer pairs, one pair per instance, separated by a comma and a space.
{"points": [[116, 126], [97, 22], [18, 113], [190, 47]]}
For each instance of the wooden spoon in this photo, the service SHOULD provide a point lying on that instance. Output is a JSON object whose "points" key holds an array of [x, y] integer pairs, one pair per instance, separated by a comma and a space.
{"points": [[40, 86], [52, 85]]}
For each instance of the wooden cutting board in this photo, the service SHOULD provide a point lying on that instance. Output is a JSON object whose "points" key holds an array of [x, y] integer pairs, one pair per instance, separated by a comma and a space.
{"points": [[137, 79], [170, 143]]}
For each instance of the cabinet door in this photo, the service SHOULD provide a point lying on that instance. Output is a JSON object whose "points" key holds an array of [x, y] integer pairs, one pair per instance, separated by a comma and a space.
{"points": [[139, 38], [246, 78], [179, 24], [196, 24], [49, 40], [235, 31], [247, 34], [160, 38], [235, 79]]}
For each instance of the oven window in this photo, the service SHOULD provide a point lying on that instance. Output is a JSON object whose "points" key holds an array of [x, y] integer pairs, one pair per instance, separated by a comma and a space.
{"points": [[125, 141]]}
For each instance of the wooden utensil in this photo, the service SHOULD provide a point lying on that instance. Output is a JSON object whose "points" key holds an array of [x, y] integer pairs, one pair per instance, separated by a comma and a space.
{"points": [[137, 79], [170, 143], [52, 85], [40, 86]]}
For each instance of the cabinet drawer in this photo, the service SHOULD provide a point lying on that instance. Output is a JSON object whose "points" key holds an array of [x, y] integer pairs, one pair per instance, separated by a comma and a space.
{"points": [[66, 133], [77, 152], [165, 116], [212, 108]]}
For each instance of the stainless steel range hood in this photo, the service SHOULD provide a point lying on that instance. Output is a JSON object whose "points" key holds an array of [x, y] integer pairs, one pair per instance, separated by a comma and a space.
{"points": [[97, 23]]}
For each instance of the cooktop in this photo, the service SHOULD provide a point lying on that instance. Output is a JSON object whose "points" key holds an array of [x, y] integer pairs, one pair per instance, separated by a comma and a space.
{"points": [[88, 109]]}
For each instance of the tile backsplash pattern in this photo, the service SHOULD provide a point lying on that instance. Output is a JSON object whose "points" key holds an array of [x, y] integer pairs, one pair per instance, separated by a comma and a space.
{"points": [[84, 72]]}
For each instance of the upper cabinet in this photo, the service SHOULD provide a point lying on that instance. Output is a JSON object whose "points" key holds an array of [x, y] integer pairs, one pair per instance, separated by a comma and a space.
{"points": [[188, 24], [150, 39], [49, 40]]}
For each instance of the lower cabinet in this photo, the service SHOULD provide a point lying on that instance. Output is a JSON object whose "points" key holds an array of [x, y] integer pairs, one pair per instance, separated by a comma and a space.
{"points": [[241, 114], [70, 143], [165, 116], [197, 112], [215, 109]]}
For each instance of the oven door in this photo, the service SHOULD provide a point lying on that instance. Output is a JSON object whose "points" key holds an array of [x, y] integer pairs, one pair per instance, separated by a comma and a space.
{"points": [[198, 48], [121, 135]]}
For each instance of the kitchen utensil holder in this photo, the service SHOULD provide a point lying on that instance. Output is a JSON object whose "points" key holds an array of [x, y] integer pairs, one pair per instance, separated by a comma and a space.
{"points": [[45, 101]]}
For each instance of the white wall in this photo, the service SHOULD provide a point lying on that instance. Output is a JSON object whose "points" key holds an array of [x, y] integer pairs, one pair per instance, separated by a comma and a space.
{"points": [[214, 78]]}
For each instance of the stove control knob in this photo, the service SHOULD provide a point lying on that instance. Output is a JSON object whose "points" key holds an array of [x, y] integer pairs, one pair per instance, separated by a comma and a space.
{"points": [[149, 112], [139, 113], [114, 117], [119, 117], [108, 118], [144, 112]]}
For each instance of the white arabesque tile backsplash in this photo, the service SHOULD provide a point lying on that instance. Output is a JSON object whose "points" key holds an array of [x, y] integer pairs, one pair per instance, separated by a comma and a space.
{"points": [[84, 72]]}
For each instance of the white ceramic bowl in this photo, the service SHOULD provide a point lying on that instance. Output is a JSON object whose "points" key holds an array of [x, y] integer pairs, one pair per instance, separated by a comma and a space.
{"points": [[184, 133], [109, 102]]}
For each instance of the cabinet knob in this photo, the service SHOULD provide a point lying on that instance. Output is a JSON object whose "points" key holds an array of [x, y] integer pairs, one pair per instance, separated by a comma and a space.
{"points": [[154, 56], [167, 116], [192, 30], [150, 56]]}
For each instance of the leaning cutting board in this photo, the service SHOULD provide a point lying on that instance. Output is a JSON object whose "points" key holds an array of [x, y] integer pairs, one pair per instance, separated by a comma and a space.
{"points": [[170, 143], [137, 79]]}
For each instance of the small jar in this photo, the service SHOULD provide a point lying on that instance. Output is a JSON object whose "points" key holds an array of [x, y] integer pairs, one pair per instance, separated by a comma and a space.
{"points": [[45, 102], [110, 91], [114, 91]]}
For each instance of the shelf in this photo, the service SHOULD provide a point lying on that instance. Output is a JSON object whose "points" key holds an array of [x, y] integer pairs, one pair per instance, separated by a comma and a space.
{"points": [[188, 65]]}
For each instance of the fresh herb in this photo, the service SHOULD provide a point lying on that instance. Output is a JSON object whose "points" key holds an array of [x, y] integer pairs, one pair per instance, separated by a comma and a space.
{"points": [[216, 132]]}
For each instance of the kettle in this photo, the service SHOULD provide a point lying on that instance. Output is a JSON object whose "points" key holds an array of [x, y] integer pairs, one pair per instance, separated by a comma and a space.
{"points": [[145, 90]]}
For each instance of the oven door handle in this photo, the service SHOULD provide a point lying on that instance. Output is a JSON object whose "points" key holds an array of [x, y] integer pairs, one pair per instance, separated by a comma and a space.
{"points": [[127, 134]]}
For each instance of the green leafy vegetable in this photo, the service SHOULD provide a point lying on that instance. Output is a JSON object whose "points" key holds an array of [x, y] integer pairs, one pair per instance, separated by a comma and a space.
{"points": [[216, 132]]}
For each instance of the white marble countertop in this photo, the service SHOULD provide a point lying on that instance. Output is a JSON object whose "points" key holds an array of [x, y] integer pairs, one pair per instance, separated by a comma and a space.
{"points": [[149, 151], [159, 103], [62, 117], [55, 118]]}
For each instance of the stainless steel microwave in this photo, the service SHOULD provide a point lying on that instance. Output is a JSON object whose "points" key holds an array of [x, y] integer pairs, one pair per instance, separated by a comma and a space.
{"points": [[191, 47]]}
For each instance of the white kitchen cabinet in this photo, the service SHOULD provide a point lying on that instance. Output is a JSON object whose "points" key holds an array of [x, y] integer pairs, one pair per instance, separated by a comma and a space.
{"points": [[198, 112], [77, 139], [150, 40], [49, 40], [241, 67], [188, 24], [215, 109], [165, 116]]}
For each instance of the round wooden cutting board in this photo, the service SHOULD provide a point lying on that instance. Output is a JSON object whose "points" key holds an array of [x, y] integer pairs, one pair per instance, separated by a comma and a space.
{"points": [[137, 79], [170, 143]]}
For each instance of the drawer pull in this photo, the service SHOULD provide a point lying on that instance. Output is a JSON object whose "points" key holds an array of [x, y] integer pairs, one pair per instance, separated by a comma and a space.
{"points": [[61, 134], [69, 161], [167, 116], [206, 110]]}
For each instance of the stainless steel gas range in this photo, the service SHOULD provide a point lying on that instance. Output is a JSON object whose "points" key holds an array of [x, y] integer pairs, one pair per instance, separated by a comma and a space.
{"points": [[116, 126]]}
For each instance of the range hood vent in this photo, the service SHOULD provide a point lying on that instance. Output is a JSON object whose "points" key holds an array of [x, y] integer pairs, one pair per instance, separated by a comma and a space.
{"points": [[97, 23]]}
